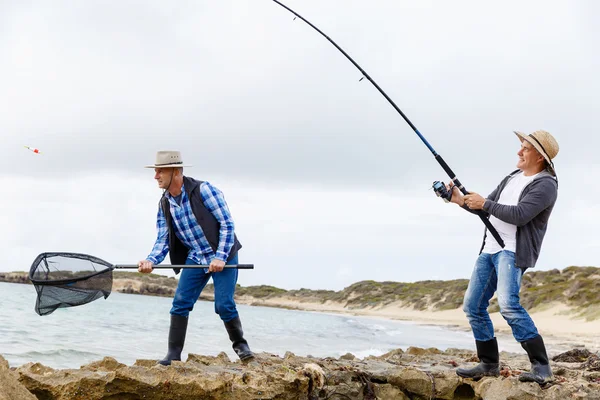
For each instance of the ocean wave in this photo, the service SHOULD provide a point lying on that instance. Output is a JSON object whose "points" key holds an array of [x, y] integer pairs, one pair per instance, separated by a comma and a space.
{"points": [[365, 353], [54, 353], [396, 332], [368, 326]]}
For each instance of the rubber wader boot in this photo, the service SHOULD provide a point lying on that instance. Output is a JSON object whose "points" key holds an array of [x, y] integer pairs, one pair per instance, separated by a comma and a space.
{"points": [[176, 339], [236, 335], [540, 366], [489, 361]]}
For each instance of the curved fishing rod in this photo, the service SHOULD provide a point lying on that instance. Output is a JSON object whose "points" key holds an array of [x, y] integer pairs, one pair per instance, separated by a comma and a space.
{"points": [[439, 158]]}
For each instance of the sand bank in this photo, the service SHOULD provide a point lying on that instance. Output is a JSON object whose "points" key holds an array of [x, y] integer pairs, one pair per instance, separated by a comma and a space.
{"points": [[556, 322]]}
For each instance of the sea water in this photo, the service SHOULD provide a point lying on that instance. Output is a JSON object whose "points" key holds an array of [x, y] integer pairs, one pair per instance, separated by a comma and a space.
{"points": [[129, 327]]}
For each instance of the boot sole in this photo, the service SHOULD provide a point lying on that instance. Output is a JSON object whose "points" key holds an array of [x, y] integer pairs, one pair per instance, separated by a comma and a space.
{"points": [[539, 382], [478, 377], [246, 357], [167, 363]]}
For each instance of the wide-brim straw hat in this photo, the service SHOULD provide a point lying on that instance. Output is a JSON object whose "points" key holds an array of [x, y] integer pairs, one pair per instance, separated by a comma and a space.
{"points": [[544, 143], [168, 159]]}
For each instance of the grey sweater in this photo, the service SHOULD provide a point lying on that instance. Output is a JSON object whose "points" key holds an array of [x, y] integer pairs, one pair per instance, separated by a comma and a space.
{"points": [[530, 215]]}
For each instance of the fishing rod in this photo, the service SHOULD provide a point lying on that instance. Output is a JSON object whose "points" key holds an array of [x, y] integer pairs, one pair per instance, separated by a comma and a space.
{"points": [[439, 187]]}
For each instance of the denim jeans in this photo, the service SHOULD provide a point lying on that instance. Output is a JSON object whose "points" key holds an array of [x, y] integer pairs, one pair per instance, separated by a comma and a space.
{"points": [[192, 282], [497, 272]]}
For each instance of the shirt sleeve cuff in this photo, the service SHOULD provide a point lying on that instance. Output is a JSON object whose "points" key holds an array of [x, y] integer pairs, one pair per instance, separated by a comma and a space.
{"points": [[221, 256], [152, 260], [487, 206]]}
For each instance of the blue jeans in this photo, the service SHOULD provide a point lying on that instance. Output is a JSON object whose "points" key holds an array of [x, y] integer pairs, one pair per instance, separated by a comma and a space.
{"points": [[497, 272], [192, 282]]}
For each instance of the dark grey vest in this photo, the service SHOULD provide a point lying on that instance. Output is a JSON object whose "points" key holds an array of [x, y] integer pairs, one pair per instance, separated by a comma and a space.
{"points": [[178, 252]]}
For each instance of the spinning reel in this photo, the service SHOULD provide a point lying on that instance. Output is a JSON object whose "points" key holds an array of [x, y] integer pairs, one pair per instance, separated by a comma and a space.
{"points": [[441, 191]]}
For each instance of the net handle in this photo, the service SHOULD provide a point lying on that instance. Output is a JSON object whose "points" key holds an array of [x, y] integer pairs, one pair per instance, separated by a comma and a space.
{"points": [[166, 266]]}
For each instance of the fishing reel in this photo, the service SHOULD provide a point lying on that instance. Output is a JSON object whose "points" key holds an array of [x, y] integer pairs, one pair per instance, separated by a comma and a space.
{"points": [[441, 191]]}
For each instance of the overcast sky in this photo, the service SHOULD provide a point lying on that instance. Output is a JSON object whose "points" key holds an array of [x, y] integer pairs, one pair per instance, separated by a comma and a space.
{"points": [[328, 185]]}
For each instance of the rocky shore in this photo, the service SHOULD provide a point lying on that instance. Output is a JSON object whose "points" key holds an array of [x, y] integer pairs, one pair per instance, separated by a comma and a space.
{"points": [[400, 375]]}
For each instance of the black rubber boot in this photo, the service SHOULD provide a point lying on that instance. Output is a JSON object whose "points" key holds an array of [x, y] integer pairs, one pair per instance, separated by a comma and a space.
{"points": [[489, 364], [540, 366], [236, 335], [176, 339]]}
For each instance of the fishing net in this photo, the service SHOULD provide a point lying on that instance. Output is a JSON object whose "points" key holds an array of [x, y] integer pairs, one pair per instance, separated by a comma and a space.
{"points": [[74, 279], [68, 280]]}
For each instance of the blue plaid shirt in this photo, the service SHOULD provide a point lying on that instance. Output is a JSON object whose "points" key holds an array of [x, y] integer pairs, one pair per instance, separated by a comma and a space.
{"points": [[189, 231]]}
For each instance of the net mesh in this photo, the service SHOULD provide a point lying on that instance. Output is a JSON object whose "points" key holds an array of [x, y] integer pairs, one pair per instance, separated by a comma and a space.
{"points": [[69, 280]]}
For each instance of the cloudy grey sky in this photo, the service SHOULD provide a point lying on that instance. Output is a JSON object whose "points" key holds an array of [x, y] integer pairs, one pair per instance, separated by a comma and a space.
{"points": [[327, 183]]}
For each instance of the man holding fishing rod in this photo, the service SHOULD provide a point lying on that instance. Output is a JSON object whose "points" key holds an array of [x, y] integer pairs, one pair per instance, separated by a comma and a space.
{"points": [[195, 227], [519, 209], [517, 213]]}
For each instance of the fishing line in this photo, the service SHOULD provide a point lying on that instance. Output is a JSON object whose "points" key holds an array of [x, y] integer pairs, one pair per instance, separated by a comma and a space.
{"points": [[439, 159]]}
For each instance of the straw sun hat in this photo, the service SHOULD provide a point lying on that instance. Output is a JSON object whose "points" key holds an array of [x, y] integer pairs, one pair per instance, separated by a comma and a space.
{"points": [[544, 143], [168, 159]]}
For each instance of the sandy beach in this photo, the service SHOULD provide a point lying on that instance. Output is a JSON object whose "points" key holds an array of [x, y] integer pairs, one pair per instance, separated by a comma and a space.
{"points": [[556, 322]]}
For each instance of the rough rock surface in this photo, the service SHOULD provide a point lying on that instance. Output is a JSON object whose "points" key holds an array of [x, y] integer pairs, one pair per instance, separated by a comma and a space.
{"points": [[415, 374], [10, 387]]}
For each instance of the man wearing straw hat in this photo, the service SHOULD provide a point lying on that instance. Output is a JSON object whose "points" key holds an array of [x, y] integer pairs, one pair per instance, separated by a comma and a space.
{"points": [[519, 209], [195, 227]]}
